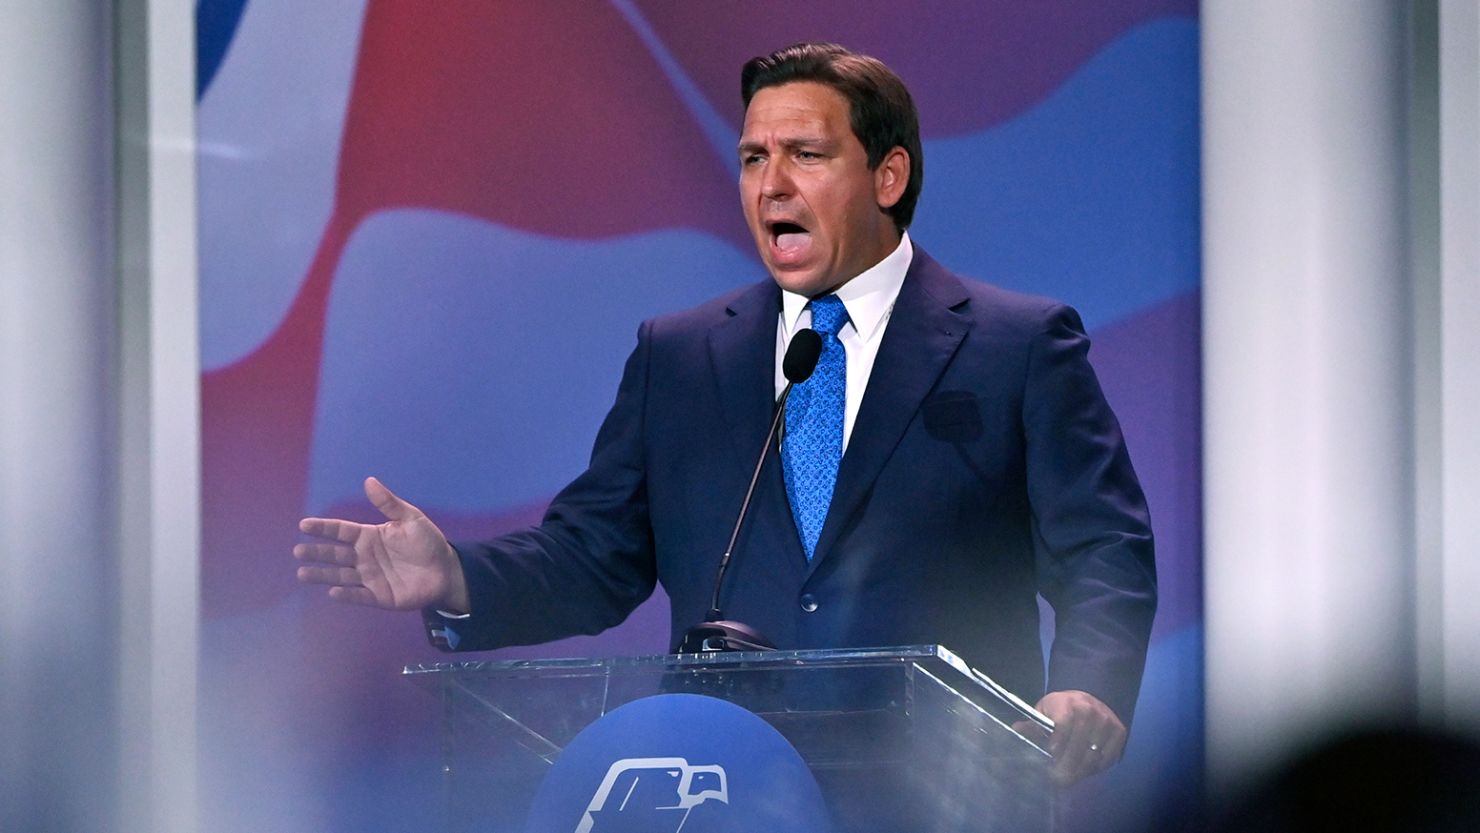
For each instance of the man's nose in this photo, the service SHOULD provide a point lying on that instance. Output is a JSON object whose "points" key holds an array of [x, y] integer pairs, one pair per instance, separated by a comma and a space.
{"points": [[776, 180]]}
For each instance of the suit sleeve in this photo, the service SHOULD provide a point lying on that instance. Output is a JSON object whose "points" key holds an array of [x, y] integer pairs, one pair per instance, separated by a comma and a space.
{"points": [[587, 565], [1093, 532]]}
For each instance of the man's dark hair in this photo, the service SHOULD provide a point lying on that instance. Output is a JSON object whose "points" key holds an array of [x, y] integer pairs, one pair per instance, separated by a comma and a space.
{"points": [[881, 112]]}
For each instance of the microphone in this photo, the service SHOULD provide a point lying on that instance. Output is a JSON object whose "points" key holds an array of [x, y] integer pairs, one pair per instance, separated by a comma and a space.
{"points": [[715, 633], [800, 360]]}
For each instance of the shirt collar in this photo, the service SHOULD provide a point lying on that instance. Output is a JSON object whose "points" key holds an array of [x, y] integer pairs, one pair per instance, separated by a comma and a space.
{"points": [[868, 297]]}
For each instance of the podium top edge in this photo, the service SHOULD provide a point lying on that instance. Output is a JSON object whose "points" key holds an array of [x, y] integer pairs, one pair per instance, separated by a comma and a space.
{"points": [[961, 678], [826, 656]]}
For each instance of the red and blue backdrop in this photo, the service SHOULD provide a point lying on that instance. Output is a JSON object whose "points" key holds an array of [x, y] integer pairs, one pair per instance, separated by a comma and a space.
{"points": [[397, 197]]}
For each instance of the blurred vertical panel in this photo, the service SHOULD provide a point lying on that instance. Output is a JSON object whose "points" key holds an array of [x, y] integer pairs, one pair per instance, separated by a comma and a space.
{"points": [[58, 556], [1445, 193], [159, 407], [1459, 96], [98, 418], [1308, 408], [1424, 219]]}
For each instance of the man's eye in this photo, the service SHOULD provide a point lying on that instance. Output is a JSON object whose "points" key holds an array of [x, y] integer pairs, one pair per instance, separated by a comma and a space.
{"points": [[808, 154], [751, 159]]}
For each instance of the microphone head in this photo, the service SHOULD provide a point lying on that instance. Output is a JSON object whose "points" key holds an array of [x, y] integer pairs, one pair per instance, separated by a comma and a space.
{"points": [[801, 356]]}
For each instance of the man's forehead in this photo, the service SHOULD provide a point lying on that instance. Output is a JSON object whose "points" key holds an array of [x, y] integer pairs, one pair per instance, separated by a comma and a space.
{"points": [[805, 107], [804, 96]]}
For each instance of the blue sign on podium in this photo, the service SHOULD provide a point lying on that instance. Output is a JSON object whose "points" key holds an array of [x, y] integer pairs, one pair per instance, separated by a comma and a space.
{"points": [[679, 762]]}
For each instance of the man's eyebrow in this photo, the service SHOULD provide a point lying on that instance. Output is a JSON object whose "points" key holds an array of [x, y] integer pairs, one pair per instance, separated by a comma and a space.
{"points": [[805, 142], [786, 144]]}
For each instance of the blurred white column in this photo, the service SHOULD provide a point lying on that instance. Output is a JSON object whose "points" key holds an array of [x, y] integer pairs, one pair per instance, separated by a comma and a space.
{"points": [[58, 405], [159, 493], [1308, 404], [99, 436], [1458, 323]]}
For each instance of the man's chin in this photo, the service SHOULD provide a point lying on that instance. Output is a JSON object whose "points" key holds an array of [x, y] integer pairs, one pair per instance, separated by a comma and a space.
{"points": [[801, 282]]}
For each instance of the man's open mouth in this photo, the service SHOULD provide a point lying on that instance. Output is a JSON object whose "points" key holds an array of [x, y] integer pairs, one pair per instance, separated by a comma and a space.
{"points": [[787, 236]]}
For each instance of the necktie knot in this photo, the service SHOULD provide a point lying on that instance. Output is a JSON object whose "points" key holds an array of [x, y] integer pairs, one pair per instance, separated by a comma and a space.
{"points": [[828, 315]]}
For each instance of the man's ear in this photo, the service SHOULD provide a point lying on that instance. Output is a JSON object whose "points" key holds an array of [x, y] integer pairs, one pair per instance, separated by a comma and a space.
{"points": [[891, 177]]}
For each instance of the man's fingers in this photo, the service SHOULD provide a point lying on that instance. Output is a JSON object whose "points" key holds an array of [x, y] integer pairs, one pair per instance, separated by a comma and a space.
{"points": [[1068, 747], [1097, 751], [1113, 748], [1073, 763], [386, 501], [346, 532], [337, 576], [1088, 737], [339, 554], [1093, 747], [1063, 735], [353, 596], [1033, 731]]}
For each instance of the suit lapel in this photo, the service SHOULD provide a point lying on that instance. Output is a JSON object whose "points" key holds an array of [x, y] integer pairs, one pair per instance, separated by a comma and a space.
{"points": [[923, 334], [742, 355]]}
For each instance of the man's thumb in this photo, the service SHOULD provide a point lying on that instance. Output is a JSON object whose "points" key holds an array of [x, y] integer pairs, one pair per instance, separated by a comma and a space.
{"points": [[386, 501]]}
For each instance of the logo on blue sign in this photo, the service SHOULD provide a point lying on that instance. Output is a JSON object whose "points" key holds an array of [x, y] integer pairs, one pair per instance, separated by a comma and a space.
{"points": [[679, 763], [653, 795]]}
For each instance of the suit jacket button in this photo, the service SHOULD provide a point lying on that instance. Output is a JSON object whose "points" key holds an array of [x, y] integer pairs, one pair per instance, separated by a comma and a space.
{"points": [[809, 602]]}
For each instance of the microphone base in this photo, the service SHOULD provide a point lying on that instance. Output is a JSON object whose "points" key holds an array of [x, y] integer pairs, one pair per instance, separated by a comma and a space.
{"points": [[723, 636]]}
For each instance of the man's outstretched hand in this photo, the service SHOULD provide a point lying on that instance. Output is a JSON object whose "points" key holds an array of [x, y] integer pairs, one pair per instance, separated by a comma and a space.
{"points": [[404, 563]]}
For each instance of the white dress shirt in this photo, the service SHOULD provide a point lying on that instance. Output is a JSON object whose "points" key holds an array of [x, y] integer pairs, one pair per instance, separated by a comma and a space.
{"points": [[869, 300]]}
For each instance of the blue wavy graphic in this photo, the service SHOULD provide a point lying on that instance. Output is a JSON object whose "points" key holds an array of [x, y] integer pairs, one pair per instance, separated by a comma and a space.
{"points": [[215, 26], [1090, 197]]}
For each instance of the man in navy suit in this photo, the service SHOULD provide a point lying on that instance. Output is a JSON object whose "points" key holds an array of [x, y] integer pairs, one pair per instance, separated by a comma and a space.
{"points": [[966, 460]]}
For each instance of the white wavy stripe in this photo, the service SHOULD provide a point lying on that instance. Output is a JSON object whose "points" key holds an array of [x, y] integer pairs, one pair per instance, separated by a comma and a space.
{"points": [[269, 130], [469, 365]]}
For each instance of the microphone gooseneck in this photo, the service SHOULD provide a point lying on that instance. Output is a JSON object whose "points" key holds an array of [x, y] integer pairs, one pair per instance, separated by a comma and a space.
{"points": [[715, 634]]}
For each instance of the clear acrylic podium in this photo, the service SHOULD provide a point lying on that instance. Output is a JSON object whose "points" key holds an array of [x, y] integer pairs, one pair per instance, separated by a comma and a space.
{"points": [[898, 739]]}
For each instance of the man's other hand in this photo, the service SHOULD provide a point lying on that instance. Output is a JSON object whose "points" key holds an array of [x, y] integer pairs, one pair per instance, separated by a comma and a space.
{"points": [[1087, 737], [404, 563]]}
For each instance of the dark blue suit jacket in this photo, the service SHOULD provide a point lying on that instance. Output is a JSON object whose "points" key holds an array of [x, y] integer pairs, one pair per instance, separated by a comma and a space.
{"points": [[984, 467]]}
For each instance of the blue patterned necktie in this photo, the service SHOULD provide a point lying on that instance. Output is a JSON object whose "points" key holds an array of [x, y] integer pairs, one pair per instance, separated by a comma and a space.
{"points": [[814, 426]]}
